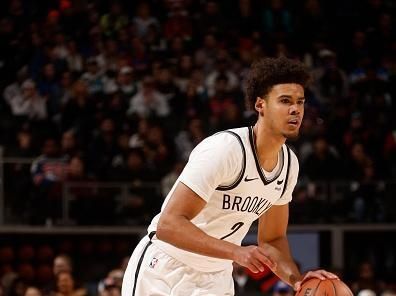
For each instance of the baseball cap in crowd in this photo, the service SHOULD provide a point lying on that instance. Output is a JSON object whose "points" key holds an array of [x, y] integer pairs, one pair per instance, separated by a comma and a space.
{"points": [[28, 84], [366, 292], [282, 287], [126, 70], [326, 53]]}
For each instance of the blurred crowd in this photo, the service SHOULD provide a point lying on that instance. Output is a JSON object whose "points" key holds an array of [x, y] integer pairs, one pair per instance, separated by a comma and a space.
{"points": [[60, 274], [122, 91]]}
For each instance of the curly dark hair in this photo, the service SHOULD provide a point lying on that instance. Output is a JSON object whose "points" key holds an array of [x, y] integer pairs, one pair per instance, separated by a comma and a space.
{"points": [[267, 72]]}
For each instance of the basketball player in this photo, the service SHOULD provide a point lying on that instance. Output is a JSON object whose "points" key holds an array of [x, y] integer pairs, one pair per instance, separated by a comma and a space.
{"points": [[231, 179]]}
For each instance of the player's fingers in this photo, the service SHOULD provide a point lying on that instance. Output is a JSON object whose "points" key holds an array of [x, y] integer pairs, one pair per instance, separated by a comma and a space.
{"points": [[313, 274], [297, 286], [253, 268], [320, 274], [328, 274], [267, 260]]}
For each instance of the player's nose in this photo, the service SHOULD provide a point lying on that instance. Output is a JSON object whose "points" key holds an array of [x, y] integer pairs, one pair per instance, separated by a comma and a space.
{"points": [[294, 110]]}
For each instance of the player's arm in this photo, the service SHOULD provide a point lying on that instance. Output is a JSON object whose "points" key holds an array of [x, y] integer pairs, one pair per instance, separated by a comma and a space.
{"points": [[176, 228], [272, 238]]}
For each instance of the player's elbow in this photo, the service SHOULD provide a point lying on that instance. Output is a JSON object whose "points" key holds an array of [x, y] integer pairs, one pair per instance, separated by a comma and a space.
{"points": [[165, 228]]}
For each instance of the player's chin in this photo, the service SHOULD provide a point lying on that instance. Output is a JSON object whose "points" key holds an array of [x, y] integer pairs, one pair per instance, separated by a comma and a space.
{"points": [[292, 135]]}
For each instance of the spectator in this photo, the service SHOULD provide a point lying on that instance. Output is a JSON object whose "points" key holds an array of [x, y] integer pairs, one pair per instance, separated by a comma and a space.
{"points": [[18, 287], [78, 113], [48, 171], [33, 291], [15, 89], [69, 145], [65, 285], [102, 149], [74, 58], [186, 140], [222, 69], [114, 20], [144, 20], [331, 82], [148, 102], [126, 83], [93, 77], [29, 104], [62, 263], [322, 156], [366, 279]]}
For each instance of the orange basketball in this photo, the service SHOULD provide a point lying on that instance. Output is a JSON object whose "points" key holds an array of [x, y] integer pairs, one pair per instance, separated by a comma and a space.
{"points": [[328, 287]]}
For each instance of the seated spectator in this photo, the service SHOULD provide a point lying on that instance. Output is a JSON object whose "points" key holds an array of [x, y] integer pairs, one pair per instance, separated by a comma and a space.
{"points": [[15, 89], [366, 279], [65, 285], [186, 140], [111, 285], [114, 20], [17, 287], [366, 292], [102, 149], [126, 83], [48, 171], [33, 291], [222, 69], [93, 77], [29, 103], [322, 156], [144, 20], [69, 146], [148, 102], [357, 161]]}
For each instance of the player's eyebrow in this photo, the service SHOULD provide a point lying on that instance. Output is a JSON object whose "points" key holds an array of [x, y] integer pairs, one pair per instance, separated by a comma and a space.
{"points": [[290, 97]]}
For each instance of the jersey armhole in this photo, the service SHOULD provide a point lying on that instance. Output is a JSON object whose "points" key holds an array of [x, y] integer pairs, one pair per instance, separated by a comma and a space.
{"points": [[242, 172]]}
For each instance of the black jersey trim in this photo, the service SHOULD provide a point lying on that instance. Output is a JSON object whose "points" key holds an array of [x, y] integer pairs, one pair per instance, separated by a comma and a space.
{"points": [[140, 262], [242, 172], [288, 169], [258, 166]]}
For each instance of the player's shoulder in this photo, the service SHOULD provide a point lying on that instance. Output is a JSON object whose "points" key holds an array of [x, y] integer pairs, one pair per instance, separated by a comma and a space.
{"points": [[226, 141], [231, 133], [230, 137]]}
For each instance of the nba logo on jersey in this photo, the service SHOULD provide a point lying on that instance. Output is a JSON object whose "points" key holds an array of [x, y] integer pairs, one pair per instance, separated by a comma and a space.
{"points": [[153, 262]]}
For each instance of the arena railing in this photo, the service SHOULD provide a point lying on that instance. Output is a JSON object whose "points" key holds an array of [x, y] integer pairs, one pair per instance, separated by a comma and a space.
{"points": [[325, 192]]}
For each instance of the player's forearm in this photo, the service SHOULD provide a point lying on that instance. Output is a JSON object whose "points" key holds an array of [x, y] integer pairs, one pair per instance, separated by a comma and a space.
{"points": [[180, 232], [279, 251]]}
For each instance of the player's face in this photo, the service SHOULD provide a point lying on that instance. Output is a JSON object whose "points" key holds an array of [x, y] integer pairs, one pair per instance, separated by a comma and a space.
{"points": [[283, 109]]}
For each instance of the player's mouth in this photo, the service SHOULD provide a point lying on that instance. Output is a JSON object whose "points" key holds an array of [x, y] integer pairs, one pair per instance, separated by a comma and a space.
{"points": [[295, 122]]}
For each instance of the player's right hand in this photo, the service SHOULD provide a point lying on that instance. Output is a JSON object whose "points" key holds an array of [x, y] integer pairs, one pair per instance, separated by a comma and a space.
{"points": [[254, 258]]}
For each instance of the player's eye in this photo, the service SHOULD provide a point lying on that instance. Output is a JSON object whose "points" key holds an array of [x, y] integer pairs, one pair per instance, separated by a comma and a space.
{"points": [[284, 100]]}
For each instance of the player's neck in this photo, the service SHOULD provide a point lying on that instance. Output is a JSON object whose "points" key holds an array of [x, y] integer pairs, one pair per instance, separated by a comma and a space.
{"points": [[267, 144]]}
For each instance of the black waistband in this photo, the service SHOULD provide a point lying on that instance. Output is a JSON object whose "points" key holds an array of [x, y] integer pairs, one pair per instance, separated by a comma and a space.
{"points": [[151, 235]]}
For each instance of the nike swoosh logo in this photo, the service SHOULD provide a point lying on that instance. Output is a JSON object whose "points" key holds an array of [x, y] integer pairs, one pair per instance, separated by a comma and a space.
{"points": [[279, 182], [247, 179]]}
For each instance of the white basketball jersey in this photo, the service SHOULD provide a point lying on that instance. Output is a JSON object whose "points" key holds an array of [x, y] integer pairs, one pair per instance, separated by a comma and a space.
{"points": [[224, 171]]}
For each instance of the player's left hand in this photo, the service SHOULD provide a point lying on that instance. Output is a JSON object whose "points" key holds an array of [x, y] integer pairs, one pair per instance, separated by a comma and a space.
{"points": [[319, 274]]}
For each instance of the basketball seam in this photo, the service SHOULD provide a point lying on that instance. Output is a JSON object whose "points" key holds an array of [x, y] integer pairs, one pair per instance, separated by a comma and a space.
{"points": [[314, 291], [334, 287]]}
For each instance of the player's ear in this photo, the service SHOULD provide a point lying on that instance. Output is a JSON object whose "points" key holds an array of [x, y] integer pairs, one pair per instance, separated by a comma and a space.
{"points": [[260, 105]]}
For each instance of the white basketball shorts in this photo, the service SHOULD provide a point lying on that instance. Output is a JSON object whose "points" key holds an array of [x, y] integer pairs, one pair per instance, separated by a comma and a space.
{"points": [[151, 272]]}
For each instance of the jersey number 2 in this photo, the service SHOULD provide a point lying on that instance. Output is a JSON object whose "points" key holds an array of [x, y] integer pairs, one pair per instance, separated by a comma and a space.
{"points": [[234, 229]]}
